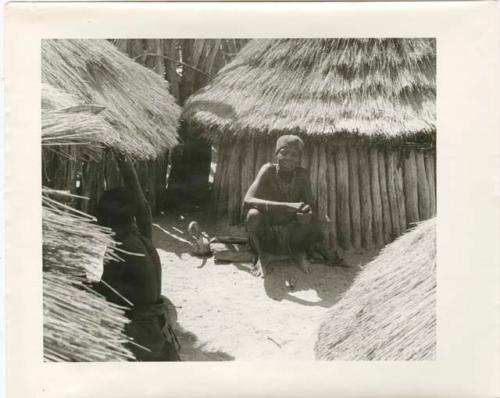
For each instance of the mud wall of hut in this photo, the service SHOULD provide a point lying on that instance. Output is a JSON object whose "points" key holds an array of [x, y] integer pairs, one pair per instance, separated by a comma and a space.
{"points": [[97, 175], [366, 195]]}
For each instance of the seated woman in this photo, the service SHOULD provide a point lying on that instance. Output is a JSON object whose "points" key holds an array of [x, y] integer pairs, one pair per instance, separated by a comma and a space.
{"points": [[281, 196], [136, 281]]}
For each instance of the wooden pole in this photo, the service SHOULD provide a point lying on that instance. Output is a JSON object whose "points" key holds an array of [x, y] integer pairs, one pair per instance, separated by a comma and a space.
{"points": [[171, 72], [306, 157], [212, 55], [160, 175], [188, 74], [217, 159], [270, 151], [223, 196], [343, 217], [323, 188], [410, 184], [332, 197], [424, 205], [429, 167], [378, 226], [354, 196], [247, 170], [391, 192], [261, 153], [234, 184], [386, 209], [400, 192], [154, 46], [153, 168], [313, 172], [365, 198]]}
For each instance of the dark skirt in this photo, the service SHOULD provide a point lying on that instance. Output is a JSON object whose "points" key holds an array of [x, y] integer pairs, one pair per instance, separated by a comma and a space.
{"points": [[281, 234], [152, 334]]}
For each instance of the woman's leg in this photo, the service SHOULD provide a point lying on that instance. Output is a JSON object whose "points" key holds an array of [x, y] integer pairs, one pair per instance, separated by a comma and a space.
{"points": [[310, 236], [302, 238], [255, 224]]}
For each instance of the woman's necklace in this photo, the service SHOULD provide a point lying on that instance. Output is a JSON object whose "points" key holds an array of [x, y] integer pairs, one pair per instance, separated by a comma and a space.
{"points": [[286, 187]]}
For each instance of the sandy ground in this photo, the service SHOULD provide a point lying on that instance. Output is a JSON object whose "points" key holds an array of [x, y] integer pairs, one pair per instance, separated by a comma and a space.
{"points": [[226, 313]]}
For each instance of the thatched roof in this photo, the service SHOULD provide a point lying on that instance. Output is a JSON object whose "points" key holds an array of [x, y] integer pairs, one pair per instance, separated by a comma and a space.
{"points": [[79, 324], [320, 87], [68, 121], [389, 313], [140, 116]]}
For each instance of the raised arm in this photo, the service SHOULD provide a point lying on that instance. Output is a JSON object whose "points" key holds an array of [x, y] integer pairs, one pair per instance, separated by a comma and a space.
{"points": [[131, 181], [255, 197]]}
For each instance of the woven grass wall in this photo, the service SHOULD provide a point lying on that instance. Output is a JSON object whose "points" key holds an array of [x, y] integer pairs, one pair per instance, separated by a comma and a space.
{"points": [[370, 194]]}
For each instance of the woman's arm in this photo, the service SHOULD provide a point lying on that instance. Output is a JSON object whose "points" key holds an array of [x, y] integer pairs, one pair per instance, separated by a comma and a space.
{"points": [[131, 182], [255, 194]]}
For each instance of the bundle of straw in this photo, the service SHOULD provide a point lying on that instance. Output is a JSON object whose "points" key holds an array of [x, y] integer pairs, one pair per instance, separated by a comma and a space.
{"points": [[319, 87], [389, 312], [79, 324], [139, 116]]}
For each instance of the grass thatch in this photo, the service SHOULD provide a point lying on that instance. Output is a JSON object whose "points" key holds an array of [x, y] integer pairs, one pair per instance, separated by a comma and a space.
{"points": [[318, 87], [79, 324], [389, 313], [140, 116], [66, 121]]}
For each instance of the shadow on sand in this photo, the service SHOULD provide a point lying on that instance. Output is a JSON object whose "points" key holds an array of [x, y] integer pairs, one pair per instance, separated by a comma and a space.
{"points": [[322, 286], [190, 348]]}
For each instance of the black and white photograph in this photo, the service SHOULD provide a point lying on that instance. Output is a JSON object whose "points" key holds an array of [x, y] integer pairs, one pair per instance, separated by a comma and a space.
{"points": [[239, 199]]}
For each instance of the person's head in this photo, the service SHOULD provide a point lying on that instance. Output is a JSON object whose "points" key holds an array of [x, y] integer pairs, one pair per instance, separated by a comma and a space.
{"points": [[289, 150], [116, 208]]}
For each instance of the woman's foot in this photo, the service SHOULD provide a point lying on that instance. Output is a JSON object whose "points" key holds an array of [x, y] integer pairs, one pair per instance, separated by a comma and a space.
{"points": [[303, 262], [331, 257], [261, 268]]}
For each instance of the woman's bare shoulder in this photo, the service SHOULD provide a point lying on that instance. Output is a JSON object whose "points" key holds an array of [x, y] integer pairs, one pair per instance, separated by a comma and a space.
{"points": [[267, 168]]}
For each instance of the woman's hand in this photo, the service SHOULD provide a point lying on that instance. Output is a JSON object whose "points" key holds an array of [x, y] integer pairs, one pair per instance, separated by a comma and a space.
{"points": [[295, 207], [306, 209]]}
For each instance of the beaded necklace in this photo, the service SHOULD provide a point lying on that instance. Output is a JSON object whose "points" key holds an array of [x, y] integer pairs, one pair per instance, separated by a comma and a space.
{"points": [[286, 187]]}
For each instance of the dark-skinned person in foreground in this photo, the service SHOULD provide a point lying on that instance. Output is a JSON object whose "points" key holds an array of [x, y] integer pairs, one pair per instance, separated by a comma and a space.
{"points": [[135, 282], [281, 196]]}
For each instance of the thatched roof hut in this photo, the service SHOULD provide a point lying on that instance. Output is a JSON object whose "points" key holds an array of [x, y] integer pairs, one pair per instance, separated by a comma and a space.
{"points": [[389, 313], [138, 107], [366, 109], [95, 96], [79, 324]]}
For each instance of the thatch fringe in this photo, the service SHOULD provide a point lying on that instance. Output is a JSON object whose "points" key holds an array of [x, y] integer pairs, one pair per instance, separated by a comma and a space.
{"points": [[68, 121], [321, 87], [139, 118], [79, 324], [389, 313]]}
